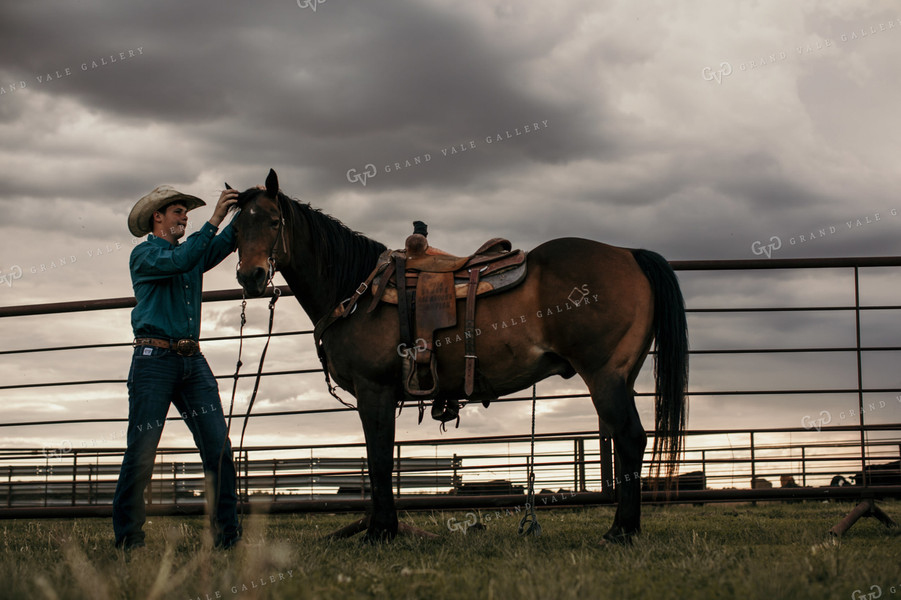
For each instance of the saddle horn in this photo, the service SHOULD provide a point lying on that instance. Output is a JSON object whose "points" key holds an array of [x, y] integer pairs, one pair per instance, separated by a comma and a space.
{"points": [[417, 244]]}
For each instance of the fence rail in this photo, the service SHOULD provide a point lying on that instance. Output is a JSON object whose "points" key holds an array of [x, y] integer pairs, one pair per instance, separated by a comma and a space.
{"points": [[565, 464]]}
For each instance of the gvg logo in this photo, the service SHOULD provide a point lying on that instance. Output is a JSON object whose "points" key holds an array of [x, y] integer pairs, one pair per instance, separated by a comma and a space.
{"points": [[419, 346], [759, 248], [454, 525], [875, 592], [314, 4], [57, 453], [710, 75], [826, 416], [369, 171], [15, 272], [825, 419]]}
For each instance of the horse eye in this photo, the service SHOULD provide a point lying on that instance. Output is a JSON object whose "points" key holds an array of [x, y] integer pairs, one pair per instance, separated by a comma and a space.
{"points": [[274, 222]]}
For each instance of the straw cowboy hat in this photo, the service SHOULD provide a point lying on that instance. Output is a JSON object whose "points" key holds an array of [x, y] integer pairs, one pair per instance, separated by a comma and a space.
{"points": [[139, 220]]}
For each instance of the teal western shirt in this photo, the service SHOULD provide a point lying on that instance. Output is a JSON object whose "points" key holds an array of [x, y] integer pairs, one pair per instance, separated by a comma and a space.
{"points": [[168, 280]]}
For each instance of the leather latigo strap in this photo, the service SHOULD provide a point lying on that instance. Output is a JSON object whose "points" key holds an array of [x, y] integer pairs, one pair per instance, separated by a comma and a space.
{"points": [[403, 303], [380, 284], [346, 307], [469, 334], [185, 347]]}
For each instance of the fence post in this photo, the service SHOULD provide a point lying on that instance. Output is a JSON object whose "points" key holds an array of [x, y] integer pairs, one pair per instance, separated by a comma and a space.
{"points": [[74, 474], [149, 492], [753, 464], [46, 479], [803, 466], [575, 464], [753, 467], [397, 467], [247, 476], [863, 450], [362, 482], [580, 473]]}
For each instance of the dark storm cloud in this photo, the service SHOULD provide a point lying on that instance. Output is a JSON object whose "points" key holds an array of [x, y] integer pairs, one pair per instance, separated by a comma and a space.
{"points": [[638, 149], [274, 85]]}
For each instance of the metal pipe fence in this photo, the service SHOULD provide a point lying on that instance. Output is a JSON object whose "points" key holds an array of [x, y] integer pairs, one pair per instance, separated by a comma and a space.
{"points": [[568, 462]]}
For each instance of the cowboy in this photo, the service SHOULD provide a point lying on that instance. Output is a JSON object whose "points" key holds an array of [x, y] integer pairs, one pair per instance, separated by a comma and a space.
{"points": [[167, 366]]}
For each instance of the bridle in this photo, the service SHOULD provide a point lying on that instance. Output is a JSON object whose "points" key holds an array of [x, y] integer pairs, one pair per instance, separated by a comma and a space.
{"points": [[280, 235]]}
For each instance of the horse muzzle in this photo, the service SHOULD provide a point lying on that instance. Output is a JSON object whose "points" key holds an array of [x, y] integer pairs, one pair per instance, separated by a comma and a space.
{"points": [[253, 281]]}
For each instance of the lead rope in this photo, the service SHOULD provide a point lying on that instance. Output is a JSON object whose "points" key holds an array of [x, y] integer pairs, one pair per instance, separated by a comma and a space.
{"points": [[232, 405], [529, 523]]}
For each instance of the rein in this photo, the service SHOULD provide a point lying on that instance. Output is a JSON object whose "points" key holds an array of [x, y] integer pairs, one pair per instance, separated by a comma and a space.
{"points": [[276, 294]]}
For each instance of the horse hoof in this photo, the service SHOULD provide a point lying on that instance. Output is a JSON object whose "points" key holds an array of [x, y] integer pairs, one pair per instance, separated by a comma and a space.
{"points": [[617, 539], [378, 537]]}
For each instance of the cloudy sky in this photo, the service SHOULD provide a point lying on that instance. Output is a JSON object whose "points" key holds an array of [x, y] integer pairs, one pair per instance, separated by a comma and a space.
{"points": [[702, 132]]}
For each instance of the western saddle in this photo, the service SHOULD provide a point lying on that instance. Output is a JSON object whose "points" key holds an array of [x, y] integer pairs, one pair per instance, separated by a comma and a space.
{"points": [[426, 297]]}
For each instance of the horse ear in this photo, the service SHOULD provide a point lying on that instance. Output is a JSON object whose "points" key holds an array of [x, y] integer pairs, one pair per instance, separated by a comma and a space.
{"points": [[272, 184], [228, 187]]}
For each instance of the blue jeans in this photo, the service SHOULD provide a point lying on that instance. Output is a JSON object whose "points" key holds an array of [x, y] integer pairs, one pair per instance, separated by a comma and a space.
{"points": [[157, 378]]}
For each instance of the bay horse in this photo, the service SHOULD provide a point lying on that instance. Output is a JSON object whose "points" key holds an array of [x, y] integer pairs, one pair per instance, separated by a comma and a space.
{"points": [[635, 301]]}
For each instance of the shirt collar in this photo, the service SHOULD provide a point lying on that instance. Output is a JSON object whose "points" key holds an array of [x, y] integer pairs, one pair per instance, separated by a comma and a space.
{"points": [[159, 241]]}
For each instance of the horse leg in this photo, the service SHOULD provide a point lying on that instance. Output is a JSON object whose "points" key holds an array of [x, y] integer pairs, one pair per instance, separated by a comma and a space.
{"points": [[377, 415], [615, 403]]}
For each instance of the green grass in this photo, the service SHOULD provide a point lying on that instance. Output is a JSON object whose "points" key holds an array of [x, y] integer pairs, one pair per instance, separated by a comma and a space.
{"points": [[765, 551]]}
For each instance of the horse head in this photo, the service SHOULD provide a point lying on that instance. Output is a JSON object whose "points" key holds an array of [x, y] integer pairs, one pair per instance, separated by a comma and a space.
{"points": [[260, 234]]}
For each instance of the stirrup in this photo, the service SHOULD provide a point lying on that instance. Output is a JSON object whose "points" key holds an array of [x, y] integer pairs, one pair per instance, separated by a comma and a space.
{"points": [[411, 382]]}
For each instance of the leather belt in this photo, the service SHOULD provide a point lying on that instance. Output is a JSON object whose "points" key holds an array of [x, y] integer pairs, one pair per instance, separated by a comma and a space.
{"points": [[185, 347]]}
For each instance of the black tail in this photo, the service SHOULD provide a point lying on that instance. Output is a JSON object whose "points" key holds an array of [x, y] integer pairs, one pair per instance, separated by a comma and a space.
{"points": [[671, 362]]}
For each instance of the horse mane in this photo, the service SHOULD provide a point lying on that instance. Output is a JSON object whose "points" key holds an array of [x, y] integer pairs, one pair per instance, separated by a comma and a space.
{"points": [[344, 258]]}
